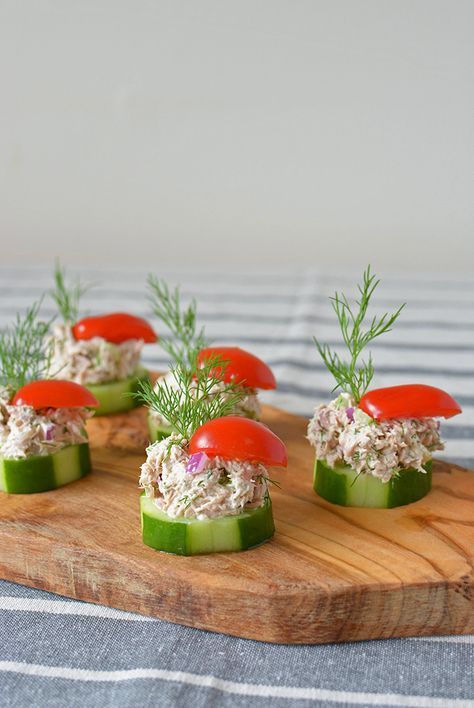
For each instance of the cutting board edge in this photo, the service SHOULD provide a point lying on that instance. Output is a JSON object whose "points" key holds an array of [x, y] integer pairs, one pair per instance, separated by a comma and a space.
{"points": [[336, 623]]}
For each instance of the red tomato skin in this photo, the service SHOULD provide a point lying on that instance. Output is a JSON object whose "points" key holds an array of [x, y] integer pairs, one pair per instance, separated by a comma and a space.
{"points": [[409, 401], [243, 367], [117, 327], [54, 393], [236, 438]]}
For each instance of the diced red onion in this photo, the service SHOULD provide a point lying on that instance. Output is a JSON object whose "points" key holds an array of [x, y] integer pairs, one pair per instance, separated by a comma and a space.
{"points": [[350, 414], [48, 429], [197, 463]]}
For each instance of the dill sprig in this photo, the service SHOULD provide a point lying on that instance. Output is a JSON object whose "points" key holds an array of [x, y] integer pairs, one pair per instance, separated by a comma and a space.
{"points": [[67, 298], [189, 400], [25, 354], [184, 337], [352, 376]]}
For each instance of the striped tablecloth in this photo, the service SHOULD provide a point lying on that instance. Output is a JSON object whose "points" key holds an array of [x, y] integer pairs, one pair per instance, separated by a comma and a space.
{"points": [[59, 652]]}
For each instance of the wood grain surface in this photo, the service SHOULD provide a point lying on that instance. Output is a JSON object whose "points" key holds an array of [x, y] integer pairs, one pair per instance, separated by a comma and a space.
{"points": [[330, 574]]}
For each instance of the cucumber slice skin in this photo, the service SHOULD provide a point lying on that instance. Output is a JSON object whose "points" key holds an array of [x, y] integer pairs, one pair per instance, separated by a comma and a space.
{"points": [[158, 432], [188, 537], [111, 395], [342, 486], [44, 473]]}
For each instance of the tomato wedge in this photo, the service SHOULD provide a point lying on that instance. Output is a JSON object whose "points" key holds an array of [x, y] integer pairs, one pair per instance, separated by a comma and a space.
{"points": [[54, 393], [409, 401], [116, 328], [242, 367], [236, 438]]}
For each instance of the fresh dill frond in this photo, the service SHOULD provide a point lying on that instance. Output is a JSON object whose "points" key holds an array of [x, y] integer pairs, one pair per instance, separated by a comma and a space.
{"points": [[268, 480], [25, 354], [355, 478], [354, 376], [67, 298], [184, 336], [196, 395]]}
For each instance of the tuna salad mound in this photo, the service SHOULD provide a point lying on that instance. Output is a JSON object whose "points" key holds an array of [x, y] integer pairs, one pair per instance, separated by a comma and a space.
{"points": [[25, 432], [343, 434], [92, 361], [248, 405], [220, 488]]}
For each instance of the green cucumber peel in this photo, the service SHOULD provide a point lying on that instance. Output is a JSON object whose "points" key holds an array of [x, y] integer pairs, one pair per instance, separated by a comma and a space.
{"points": [[158, 431], [118, 396], [42, 473], [344, 486], [187, 537]]}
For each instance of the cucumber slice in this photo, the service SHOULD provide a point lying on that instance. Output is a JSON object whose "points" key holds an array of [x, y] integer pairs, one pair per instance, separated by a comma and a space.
{"points": [[158, 432], [40, 473], [114, 397], [189, 537], [341, 485]]}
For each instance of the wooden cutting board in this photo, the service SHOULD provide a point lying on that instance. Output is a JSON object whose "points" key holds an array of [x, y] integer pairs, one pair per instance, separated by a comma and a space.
{"points": [[330, 574]]}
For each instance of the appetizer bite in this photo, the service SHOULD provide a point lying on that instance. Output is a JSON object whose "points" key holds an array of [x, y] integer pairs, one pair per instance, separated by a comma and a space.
{"points": [[373, 448], [43, 443], [246, 371], [206, 485], [101, 352]]}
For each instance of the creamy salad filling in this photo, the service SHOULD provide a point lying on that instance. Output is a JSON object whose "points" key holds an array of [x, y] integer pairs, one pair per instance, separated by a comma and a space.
{"points": [[219, 487], [92, 361], [342, 434], [25, 432], [247, 407]]}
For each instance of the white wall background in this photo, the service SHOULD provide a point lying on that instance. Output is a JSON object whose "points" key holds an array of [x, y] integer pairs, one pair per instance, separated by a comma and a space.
{"points": [[252, 131]]}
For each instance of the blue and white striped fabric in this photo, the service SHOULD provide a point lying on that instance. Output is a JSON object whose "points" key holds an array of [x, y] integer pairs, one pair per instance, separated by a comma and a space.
{"points": [[59, 652]]}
